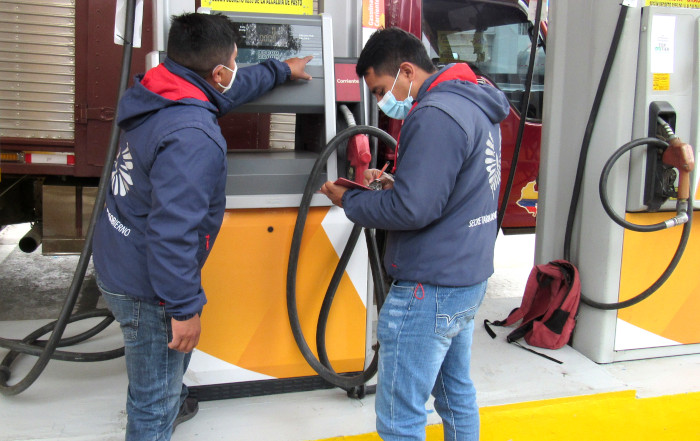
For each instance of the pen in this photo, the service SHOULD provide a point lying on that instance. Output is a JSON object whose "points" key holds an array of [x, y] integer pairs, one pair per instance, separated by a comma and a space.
{"points": [[376, 184]]}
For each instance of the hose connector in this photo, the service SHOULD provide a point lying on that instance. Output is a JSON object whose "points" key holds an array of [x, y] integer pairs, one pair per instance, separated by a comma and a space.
{"points": [[681, 214], [679, 219]]}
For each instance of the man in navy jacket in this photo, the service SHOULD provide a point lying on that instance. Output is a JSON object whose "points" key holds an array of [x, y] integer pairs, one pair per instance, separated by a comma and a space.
{"points": [[440, 214], [166, 206]]}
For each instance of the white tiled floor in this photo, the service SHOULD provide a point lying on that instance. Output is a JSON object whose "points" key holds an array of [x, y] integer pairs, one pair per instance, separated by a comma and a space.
{"points": [[75, 401]]}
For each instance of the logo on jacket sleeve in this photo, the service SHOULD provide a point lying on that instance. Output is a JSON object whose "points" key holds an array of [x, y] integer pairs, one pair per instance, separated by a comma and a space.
{"points": [[493, 165], [121, 179]]}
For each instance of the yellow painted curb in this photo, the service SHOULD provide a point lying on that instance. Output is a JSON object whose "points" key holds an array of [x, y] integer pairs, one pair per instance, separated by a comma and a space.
{"points": [[611, 416]]}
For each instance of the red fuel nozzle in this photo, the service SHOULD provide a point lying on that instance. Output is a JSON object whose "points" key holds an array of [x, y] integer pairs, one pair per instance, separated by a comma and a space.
{"points": [[359, 155], [680, 155]]}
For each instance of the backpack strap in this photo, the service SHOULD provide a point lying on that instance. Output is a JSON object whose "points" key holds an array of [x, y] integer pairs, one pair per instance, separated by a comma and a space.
{"points": [[498, 323], [557, 319], [535, 352], [533, 282], [520, 332]]}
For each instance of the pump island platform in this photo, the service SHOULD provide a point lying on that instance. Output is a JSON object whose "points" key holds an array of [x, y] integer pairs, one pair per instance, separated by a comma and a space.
{"points": [[522, 396]]}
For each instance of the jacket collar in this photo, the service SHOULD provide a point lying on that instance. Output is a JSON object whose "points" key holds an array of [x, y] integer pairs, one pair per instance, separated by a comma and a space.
{"points": [[165, 83], [451, 72]]}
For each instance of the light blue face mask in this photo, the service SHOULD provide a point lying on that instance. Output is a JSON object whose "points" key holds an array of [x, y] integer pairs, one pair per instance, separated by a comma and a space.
{"points": [[393, 108]]}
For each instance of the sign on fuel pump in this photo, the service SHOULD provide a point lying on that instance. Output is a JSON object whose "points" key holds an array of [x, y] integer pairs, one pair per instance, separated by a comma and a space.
{"points": [[305, 7]]}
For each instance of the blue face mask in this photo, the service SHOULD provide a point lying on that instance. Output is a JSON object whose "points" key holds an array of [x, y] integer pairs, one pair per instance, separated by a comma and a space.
{"points": [[393, 108]]}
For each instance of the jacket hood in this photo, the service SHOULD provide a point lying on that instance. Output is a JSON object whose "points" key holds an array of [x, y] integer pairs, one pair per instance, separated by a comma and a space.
{"points": [[168, 84], [459, 79]]}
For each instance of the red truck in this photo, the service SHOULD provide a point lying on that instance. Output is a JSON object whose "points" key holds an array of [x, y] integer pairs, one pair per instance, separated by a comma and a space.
{"points": [[59, 84]]}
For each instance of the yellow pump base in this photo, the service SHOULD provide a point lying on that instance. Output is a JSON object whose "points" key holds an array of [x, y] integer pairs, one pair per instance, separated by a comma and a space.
{"points": [[669, 316], [246, 333]]}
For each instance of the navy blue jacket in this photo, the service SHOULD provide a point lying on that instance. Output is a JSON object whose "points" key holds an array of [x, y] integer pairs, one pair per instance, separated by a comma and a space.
{"points": [[441, 212], [167, 196]]}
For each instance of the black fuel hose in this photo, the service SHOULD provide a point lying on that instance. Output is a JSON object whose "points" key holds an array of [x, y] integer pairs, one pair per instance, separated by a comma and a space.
{"points": [[523, 117], [603, 187], [46, 349], [322, 367], [685, 234], [330, 295], [583, 154], [340, 268]]}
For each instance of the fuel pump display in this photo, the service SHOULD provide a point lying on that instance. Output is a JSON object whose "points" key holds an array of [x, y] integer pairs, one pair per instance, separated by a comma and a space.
{"points": [[272, 176], [259, 41]]}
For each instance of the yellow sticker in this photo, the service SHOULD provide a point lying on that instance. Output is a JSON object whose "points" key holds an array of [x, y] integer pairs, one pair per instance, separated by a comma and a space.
{"points": [[297, 7], [662, 81], [695, 4]]}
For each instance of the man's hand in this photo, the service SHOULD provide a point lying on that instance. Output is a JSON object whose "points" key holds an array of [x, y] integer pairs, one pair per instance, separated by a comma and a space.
{"points": [[185, 334], [373, 174], [334, 192], [298, 67]]}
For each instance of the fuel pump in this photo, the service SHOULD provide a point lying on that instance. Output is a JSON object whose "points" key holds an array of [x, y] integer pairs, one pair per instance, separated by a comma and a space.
{"points": [[638, 281], [247, 346]]}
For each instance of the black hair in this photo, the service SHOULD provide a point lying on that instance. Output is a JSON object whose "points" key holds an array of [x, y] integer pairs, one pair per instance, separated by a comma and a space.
{"points": [[387, 48], [200, 42]]}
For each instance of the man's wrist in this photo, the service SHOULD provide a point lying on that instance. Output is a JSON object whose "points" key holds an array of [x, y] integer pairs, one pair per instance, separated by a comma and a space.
{"points": [[184, 317], [342, 198], [287, 70]]}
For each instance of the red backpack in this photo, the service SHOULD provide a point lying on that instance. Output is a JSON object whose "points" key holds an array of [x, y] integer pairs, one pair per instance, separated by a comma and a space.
{"points": [[548, 310]]}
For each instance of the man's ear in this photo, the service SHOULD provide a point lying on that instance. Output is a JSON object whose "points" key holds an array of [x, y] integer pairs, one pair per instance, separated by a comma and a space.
{"points": [[216, 74], [408, 69]]}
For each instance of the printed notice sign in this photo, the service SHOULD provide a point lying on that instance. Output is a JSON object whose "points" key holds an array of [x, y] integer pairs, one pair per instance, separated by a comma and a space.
{"points": [[298, 7], [661, 81], [695, 4], [663, 29]]}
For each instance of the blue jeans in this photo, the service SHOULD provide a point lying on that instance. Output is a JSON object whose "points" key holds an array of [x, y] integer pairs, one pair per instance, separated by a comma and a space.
{"points": [[155, 371], [425, 337]]}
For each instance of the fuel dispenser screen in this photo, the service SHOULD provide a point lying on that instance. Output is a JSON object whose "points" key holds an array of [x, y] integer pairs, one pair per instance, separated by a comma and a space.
{"points": [[260, 41], [302, 113]]}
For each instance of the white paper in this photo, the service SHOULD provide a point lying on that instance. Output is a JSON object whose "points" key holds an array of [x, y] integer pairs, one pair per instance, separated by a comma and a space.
{"points": [[120, 17], [663, 29]]}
